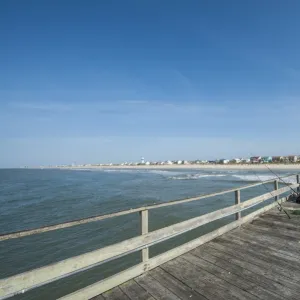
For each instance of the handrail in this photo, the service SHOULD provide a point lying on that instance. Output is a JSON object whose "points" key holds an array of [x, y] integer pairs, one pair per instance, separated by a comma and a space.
{"points": [[23, 282], [23, 233]]}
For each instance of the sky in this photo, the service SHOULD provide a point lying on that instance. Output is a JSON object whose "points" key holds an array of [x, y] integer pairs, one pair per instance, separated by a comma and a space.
{"points": [[112, 81]]}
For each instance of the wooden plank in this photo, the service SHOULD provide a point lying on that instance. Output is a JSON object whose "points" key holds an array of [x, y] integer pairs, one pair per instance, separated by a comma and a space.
{"points": [[153, 287], [256, 243], [115, 294], [257, 278], [231, 278], [193, 275], [175, 286], [257, 260], [284, 233], [261, 252], [273, 222], [144, 230], [276, 240], [257, 269], [134, 291]]}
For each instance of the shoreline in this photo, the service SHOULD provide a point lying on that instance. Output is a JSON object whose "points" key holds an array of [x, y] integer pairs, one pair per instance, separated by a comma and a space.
{"points": [[189, 166]]}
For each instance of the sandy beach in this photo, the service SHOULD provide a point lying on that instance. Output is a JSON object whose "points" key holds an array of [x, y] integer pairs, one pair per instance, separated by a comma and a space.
{"points": [[193, 166]]}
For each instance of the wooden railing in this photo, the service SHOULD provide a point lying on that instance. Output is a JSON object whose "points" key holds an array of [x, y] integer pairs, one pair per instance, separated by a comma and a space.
{"points": [[28, 280]]}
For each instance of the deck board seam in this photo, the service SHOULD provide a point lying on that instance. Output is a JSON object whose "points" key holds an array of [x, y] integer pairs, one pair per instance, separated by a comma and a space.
{"points": [[258, 265], [229, 283], [184, 283], [250, 271]]}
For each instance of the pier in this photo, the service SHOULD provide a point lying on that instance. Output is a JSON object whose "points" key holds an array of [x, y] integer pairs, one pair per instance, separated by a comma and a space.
{"points": [[256, 256]]}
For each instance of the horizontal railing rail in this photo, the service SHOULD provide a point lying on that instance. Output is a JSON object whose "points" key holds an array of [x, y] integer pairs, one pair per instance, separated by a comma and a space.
{"points": [[28, 280]]}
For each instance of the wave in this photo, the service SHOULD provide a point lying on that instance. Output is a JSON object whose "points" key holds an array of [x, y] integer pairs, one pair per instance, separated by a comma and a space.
{"points": [[195, 176], [255, 178]]}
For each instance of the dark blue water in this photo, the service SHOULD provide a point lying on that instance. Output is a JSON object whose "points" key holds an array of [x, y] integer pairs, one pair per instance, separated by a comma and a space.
{"points": [[33, 198]]}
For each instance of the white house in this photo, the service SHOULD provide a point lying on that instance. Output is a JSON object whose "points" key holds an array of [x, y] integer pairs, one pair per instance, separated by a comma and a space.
{"points": [[168, 162], [224, 161], [179, 162], [147, 163], [185, 162], [246, 160], [293, 158]]}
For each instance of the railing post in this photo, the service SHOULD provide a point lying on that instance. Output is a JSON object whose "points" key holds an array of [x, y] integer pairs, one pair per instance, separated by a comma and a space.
{"points": [[144, 230], [276, 188], [298, 181], [238, 201]]}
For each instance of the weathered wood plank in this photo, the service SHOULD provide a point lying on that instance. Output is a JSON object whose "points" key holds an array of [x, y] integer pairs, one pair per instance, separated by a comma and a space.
{"points": [[280, 219], [115, 294], [231, 278], [261, 252], [278, 241], [246, 256], [202, 280], [240, 270], [288, 234], [258, 269], [261, 244], [175, 286], [153, 287], [134, 291], [276, 224]]}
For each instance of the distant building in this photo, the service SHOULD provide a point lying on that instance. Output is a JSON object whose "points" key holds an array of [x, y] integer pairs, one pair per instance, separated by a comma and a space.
{"points": [[293, 158], [277, 159], [147, 163], [224, 161], [246, 160], [179, 162], [168, 162], [142, 160], [185, 162], [236, 160], [266, 159], [255, 159]]}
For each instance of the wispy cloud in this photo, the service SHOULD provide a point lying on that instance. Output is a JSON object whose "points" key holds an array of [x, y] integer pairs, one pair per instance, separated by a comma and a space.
{"points": [[133, 101], [41, 106]]}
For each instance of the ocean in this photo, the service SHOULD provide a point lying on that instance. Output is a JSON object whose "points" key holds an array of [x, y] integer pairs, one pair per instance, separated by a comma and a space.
{"points": [[31, 198]]}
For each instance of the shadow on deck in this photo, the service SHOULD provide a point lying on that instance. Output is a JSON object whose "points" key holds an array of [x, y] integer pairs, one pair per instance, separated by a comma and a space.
{"points": [[260, 260]]}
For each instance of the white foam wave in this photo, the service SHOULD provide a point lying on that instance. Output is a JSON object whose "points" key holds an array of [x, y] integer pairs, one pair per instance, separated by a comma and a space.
{"points": [[195, 176], [259, 177]]}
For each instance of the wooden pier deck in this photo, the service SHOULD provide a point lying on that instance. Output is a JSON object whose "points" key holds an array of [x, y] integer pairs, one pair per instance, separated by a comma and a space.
{"points": [[260, 260]]}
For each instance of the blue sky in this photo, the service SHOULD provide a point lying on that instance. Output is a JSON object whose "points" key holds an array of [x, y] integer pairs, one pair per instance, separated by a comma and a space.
{"points": [[101, 81]]}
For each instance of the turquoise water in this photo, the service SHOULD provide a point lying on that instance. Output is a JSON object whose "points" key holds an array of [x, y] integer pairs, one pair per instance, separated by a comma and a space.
{"points": [[33, 198]]}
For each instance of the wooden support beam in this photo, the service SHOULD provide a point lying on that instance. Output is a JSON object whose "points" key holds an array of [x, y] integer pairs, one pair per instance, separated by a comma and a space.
{"points": [[144, 230], [237, 201], [276, 188]]}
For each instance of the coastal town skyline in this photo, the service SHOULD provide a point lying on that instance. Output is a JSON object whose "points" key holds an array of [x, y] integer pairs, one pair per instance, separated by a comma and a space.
{"points": [[289, 159]]}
